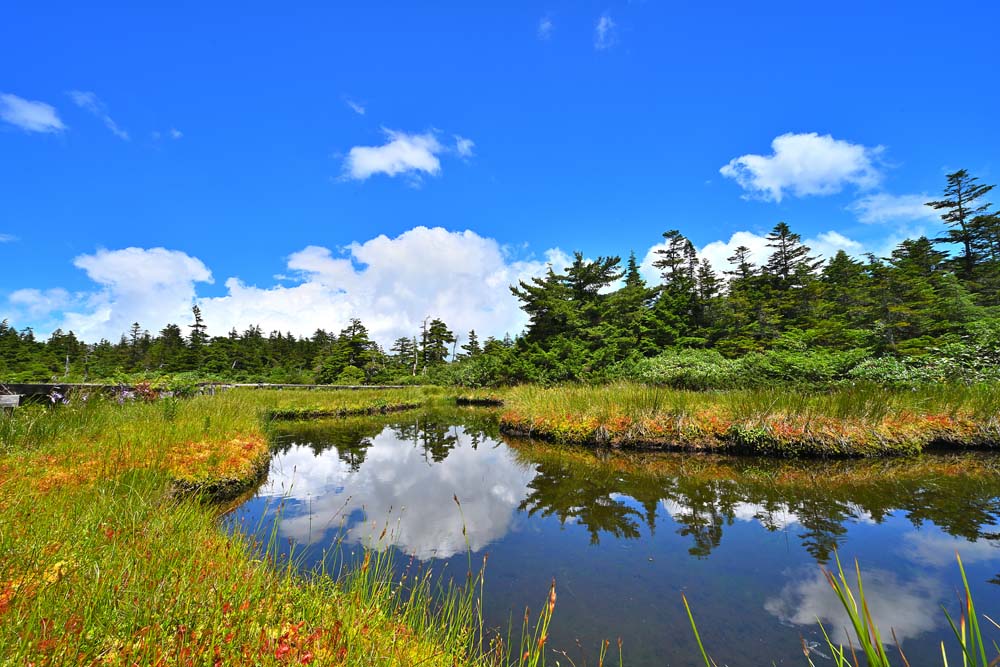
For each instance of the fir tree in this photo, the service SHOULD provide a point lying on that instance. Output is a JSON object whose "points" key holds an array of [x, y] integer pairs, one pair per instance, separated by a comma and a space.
{"points": [[961, 206]]}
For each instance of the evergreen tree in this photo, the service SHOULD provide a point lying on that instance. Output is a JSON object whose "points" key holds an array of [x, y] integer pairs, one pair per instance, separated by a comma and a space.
{"points": [[471, 348], [405, 355], [437, 343], [676, 307], [961, 207], [197, 338]]}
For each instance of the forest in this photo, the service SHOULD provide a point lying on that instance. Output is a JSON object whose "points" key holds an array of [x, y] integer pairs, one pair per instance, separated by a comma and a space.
{"points": [[928, 312]]}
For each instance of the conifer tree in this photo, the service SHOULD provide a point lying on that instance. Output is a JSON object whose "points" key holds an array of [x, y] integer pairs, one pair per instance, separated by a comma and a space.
{"points": [[960, 208], [471, 348]]}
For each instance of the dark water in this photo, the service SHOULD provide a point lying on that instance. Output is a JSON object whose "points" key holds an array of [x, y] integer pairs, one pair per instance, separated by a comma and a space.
{"points": [[625, 535]]}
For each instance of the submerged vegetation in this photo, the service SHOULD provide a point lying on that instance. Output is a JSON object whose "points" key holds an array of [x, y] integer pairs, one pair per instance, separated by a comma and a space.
{"points": [[852, 421]]}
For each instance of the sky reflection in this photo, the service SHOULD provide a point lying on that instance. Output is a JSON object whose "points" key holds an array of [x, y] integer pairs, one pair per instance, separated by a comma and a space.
{"points": [[397, 484]]}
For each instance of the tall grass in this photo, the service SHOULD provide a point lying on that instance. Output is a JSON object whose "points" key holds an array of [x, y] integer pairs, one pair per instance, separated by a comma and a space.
{"points": [[101, 564], [863, 420], [863, 401]]}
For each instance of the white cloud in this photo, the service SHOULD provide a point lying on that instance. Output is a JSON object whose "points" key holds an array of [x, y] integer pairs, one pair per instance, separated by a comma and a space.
{"points": [[356, 107], [828, 244], [825, 244], [175, 133], [605, 33], [883, 207], [545, 27], [29, 115], [464, 146], [908, 607], [39, 303], [90, 102], [152, 286], [803, 165], [394, 483], [7, 238], [392, 284], [401, 154]]}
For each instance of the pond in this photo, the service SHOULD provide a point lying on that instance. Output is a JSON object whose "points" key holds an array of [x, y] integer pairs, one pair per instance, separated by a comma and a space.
{"points": [[625, 534]]}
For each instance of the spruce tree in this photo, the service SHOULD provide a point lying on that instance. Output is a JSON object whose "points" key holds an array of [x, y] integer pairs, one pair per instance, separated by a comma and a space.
{"points": [[471, 347], [960, 207]]}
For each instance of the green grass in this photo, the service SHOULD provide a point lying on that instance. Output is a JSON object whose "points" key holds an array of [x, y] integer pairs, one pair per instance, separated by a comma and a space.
{"points": [[863, 420], [103, 563]]}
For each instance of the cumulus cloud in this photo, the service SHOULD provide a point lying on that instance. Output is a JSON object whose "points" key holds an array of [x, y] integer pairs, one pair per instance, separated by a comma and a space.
{"points": [[7, 238], [395, 483], [803, 165], [605, 33], [91, 103], [908, 607], [175, 133], [410, 154], [828, 244], [392, 284], [29, 115], [151, 286], [544, 30], [883, 207]]}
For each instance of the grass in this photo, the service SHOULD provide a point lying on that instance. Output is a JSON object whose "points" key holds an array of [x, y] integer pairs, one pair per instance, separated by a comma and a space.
{"points": [[844, 422], [104, 562], [108, 556]]}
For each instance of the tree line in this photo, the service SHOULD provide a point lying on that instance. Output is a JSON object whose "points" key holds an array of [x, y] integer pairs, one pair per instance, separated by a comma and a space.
{"points": [[600, 318]]}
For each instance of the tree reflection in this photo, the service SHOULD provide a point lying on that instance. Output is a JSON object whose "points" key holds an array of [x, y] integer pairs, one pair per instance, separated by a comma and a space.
{"points": [[814, 500], [617, 494]]}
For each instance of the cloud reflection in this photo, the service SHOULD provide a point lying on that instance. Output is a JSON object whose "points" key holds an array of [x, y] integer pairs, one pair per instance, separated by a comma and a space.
{"points": [[398, 484], [908, 607], [938, 549]]}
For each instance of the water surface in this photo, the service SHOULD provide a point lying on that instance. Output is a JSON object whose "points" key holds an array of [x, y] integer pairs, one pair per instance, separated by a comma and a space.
{"points": [[624, 535]]}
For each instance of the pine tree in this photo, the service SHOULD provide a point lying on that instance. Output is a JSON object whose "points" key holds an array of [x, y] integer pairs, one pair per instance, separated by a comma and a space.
{"points": [[436, 343], [790, 262], [471, 348], [676, 306], [632, 327], [961, 206], [197, 339], [743, 268]]}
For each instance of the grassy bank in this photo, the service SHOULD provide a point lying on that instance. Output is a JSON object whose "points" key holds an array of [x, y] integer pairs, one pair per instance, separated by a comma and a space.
{"points": [[847, 422], [102, 562]]}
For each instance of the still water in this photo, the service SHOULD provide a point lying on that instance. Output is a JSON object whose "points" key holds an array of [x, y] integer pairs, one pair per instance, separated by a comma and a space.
{"points": [[625, 534]]}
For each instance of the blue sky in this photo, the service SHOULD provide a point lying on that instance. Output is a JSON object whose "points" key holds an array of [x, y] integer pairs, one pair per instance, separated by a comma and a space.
{"points": [[238, 150]]}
